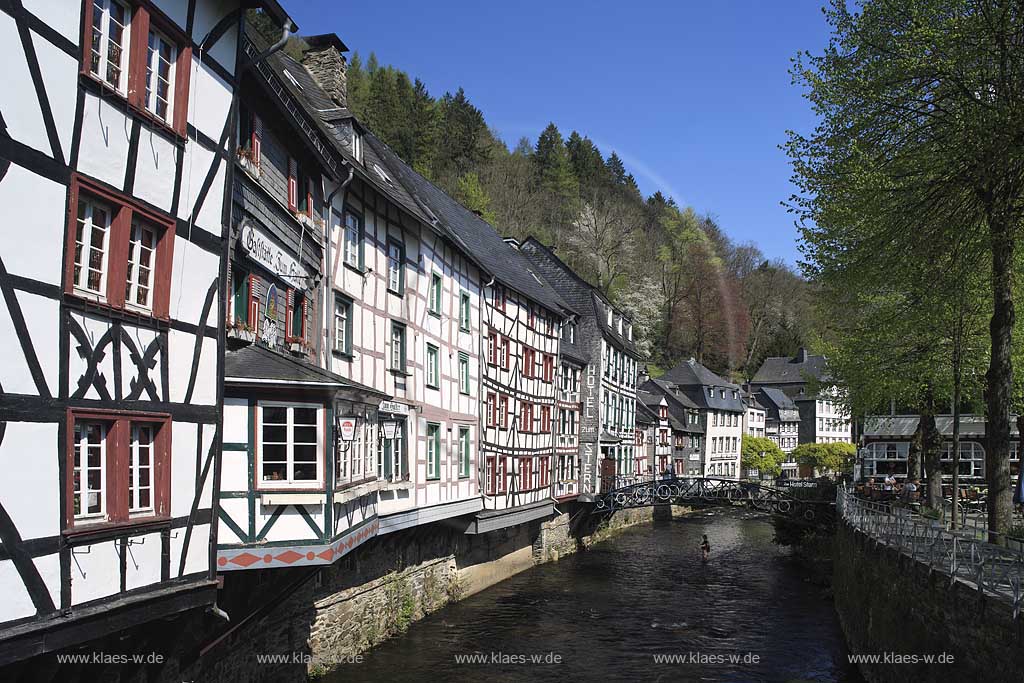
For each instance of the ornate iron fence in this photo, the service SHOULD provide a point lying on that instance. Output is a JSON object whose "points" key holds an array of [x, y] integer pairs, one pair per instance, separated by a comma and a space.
{"points": [[989, 568]]}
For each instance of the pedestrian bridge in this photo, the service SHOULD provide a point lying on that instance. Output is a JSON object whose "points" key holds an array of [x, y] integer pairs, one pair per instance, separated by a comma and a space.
{"points": [[625, 493]]}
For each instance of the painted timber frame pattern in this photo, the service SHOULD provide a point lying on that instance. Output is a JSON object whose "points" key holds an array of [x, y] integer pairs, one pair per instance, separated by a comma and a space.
{"points": [[66, 134]]}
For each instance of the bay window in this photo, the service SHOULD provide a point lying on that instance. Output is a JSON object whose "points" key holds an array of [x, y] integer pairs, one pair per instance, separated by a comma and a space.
{"points": [[290, 445], [143, 57], [119, 465], [118, 253]]}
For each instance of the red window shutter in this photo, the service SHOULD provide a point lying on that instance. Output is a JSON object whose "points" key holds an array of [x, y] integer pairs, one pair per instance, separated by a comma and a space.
{"points": [[293, 187], [289, 302], [254, 305], [257, 139]]}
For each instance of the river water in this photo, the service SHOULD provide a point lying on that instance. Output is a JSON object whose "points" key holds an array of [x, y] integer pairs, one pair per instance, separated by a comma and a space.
{"points": [[606, 614]]}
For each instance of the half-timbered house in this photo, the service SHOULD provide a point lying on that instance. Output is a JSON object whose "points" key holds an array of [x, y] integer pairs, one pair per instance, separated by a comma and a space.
{"points": [[115, 142], [608, 392], [402, 305], [295, 431], [721, 410], [684, 422]]}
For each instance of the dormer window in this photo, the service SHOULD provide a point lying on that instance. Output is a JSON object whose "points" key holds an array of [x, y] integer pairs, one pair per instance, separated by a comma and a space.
{"points": [[711, 392], [357, 146], [609, 317], [629, 332], [734, 395], [383, 175], [723, 393], [291, 79]]}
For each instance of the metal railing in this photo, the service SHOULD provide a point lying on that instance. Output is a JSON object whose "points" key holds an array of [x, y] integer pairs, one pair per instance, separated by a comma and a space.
{"points": [[989, 568]]}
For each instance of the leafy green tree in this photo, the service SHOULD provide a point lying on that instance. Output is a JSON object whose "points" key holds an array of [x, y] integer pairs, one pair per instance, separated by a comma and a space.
{"points": [[919, 142], [761, 454], [473, 197], [826, 458]]}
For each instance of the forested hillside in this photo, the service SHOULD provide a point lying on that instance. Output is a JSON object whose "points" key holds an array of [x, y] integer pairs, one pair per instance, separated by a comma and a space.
{"points": [[691, 290]]}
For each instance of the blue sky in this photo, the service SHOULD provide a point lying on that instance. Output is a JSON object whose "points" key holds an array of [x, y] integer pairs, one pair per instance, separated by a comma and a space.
{"points": [[695, 96]]}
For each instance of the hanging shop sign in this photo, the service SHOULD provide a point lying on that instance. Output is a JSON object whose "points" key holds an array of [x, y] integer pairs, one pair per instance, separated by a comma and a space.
{"points": [[260, 248], [347, 427], [394, 407]]}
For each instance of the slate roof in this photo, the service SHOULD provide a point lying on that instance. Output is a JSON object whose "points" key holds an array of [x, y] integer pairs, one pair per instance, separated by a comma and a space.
{"points": [[580, 294], [678, 404], [414, 193], [475, 236], [694, 379], [645, 415], [778, 404], [784, 370], [904, 426], [255, 363]]}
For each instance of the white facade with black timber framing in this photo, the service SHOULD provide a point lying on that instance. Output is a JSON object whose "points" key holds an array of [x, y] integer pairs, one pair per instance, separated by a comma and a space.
{"points": [[114, 148], [294, 430]]}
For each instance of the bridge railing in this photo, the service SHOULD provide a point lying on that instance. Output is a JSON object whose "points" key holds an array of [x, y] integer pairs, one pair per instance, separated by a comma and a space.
{"points": [[987, 567]]}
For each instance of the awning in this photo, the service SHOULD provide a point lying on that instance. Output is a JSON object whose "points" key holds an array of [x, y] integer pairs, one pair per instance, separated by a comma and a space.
{"points": [[256, 365]]}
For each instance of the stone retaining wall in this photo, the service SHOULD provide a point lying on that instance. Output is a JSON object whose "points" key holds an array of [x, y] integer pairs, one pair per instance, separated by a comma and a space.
{"points": [[888, 603]]}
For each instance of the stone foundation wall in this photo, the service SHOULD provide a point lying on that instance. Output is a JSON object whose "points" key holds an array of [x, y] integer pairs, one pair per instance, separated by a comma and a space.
{"points": [[340, 611], [889, 603]]}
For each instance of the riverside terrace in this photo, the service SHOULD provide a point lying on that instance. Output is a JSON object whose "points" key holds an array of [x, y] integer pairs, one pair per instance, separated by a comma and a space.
{"points": [[994, 569]]}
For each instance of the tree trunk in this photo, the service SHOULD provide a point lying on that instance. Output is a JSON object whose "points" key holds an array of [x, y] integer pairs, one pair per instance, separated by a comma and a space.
{"points": [[914, 452], [999, 381], [956, 438], [931, 442]]}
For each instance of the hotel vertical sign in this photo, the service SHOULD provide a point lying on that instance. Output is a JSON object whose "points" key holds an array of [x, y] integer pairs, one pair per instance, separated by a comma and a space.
{"points": [[590, 430]]}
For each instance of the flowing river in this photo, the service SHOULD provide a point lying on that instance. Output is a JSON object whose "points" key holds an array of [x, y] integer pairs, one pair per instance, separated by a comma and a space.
{"points": [[612, 612]]}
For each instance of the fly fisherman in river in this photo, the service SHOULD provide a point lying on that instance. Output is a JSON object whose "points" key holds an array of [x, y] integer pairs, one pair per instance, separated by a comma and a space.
{"points": [[705, 548]]}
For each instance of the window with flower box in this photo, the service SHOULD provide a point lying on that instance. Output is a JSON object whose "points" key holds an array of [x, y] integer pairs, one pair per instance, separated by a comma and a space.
{"points": [[137, 52], [118, 253], [119, 465]]}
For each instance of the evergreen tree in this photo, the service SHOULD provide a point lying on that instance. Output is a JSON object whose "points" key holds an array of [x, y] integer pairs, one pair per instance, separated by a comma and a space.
{"points": [[553, 167]]}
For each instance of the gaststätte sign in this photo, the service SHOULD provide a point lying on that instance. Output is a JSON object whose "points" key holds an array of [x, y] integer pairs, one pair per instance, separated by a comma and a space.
{"points": [[347, 428], [261, 249]]}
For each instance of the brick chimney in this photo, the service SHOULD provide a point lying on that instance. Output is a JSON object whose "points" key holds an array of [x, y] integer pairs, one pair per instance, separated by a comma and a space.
{"points": [[325, 60]]}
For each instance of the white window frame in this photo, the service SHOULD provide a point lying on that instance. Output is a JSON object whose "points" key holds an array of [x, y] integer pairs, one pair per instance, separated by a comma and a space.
{"points": [[395, 267], [82, 456], [352, 239], [433, 450], [464, 383], [134, 469], [103, 8], [135, 252], [289, 481], [84, 246], [433, 363], [342, 324], [153, 59]]}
